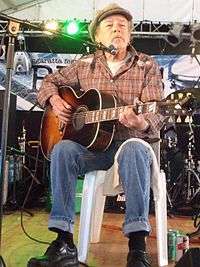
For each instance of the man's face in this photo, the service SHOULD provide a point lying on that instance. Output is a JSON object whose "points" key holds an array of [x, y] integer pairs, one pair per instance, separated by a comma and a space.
{"points": [[114, 30]]}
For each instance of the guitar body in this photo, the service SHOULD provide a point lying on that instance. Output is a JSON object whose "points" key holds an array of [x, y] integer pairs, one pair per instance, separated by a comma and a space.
{"points": [[95, 136], [93, 117]]}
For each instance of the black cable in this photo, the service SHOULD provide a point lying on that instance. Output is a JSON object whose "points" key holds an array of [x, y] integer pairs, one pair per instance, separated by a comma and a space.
{"points": [[22, 212], [34, 179], [84, 264]]}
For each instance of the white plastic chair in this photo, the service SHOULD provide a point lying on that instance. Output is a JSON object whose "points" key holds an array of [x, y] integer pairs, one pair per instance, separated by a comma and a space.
{"points": [[92, 209]]}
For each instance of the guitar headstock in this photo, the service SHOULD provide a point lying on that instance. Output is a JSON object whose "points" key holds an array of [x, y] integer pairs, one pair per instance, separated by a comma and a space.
{"points": [[176, 109]]}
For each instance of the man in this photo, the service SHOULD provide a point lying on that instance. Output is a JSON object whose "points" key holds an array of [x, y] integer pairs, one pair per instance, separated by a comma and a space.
{"points": [[129, 76]]}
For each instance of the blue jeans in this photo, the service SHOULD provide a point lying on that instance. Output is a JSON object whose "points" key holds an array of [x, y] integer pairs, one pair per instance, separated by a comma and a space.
{"points": [[69, 159]]}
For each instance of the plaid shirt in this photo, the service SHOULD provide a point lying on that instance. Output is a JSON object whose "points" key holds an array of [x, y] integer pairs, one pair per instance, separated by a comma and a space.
{"points": [[139, 78]]}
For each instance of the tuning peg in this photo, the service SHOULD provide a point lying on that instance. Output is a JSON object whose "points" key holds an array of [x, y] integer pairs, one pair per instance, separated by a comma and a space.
{"points": [[171, 119], [178, 119], [180, 95], [189, 94], [187, 119], [190, 119]]}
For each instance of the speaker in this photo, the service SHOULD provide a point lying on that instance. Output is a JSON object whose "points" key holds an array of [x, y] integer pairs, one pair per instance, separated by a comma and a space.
{"points": [[190, 259], [11, 140]]}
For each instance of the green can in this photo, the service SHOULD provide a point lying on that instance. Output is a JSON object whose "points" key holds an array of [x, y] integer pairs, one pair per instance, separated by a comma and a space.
{"points": [[171, 240]]}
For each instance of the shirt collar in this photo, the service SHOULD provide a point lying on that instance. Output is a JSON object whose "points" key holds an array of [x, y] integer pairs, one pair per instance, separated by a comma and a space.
{"points": [[133, 54]]}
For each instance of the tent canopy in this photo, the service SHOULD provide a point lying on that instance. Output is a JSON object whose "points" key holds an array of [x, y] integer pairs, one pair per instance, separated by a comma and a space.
{"points": [[150, 10]]}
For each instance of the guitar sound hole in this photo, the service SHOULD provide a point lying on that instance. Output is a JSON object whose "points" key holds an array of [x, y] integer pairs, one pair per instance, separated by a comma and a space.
{"points": [[78, 118]]}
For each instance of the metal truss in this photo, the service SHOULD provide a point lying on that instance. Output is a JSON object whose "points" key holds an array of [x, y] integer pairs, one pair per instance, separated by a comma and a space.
{"points": [[157, 30], [142, 29], [3, 26]]}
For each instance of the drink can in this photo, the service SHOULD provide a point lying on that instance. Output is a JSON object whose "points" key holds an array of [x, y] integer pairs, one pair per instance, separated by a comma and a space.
{"points": [[182, 245], [171, 240]]}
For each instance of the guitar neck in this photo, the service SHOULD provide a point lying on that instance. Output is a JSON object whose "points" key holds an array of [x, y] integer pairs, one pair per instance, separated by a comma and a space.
{"points": [[109, 114], [166, 108]]}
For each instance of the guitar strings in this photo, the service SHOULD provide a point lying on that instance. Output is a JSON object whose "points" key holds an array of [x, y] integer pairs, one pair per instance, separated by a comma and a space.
{"points": [[84, 113]]}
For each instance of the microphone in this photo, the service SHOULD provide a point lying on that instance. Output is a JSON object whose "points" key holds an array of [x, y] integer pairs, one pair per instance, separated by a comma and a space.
{"points": [[110, 49]]}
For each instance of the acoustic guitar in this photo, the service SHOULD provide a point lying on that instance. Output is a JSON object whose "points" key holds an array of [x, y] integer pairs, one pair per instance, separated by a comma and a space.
{"points": [[93, 119]]}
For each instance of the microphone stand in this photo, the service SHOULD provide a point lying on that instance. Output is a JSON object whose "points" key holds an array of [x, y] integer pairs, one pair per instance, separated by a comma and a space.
{"points": [[13, 28], [110, 49]]}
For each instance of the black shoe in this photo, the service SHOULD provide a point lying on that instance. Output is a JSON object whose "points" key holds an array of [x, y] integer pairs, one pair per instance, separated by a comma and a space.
{"points": [[138, 258], [58, 254]]}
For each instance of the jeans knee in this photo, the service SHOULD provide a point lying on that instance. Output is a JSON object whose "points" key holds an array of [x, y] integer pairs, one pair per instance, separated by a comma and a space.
{"points": [[65, 147], [136, 150], [133, 147]]}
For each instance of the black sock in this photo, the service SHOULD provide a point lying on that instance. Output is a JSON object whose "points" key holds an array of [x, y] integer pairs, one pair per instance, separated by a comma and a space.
{"points": [[65, 236], [137, 240]]}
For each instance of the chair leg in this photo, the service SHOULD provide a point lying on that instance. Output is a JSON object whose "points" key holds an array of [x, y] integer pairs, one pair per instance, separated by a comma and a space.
{"points": [[161, 222], [92, 208], [98, 208], [88, 196]]}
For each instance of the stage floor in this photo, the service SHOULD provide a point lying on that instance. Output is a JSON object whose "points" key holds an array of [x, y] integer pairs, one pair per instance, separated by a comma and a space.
{"points": [[110, 252]]}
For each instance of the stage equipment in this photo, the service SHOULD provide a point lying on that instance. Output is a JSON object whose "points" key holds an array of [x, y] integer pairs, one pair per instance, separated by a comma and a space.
{"points": [[22, 143], [179, 153], [72, 27], [51, 25], [184, 189], [174, 36], [172, 160], [22, 61]]}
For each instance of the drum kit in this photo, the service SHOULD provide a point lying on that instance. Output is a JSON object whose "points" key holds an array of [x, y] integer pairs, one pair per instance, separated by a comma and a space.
{"points": [[180, 156]]}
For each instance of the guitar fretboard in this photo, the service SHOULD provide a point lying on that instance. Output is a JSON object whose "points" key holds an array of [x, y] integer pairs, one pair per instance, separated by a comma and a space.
{"points": [[166, 108], [109, 114]]}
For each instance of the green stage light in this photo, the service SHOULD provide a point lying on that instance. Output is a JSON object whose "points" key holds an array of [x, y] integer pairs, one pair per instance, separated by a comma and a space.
{"points": [[72, 27]]}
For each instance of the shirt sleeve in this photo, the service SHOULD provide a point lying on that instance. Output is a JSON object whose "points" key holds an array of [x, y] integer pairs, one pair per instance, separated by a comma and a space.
{"points": [[153, 91], [66, 76]]}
